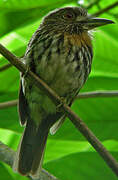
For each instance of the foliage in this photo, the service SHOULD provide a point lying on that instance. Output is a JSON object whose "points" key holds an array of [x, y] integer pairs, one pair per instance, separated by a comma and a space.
{"points": [[68, 155]]}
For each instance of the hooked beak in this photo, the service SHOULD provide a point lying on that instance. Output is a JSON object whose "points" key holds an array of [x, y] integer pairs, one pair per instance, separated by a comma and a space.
{"points": [[92, 23]]}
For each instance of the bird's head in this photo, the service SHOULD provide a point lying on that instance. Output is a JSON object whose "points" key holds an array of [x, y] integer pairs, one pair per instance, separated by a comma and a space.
{"points": [[72, 20]]}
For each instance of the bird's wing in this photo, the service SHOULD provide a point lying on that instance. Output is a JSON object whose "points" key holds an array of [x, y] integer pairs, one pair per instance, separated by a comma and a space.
{"points": [[22, 106], [57, 125]]}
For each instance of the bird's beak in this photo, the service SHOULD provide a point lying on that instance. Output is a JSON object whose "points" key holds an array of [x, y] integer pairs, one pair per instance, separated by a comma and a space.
{"points": [[92, 23]]}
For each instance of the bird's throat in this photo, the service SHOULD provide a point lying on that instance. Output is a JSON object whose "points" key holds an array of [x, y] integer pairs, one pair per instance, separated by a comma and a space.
{"points": [[80, 40]]}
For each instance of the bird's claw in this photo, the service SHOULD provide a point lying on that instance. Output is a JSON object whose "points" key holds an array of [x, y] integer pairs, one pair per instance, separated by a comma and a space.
{"points": [[58, 107], [26, 72]]}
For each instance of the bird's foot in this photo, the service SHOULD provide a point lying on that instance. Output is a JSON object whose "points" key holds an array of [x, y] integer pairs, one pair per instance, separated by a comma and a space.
{"points": [[26, 72], [59, 106]]}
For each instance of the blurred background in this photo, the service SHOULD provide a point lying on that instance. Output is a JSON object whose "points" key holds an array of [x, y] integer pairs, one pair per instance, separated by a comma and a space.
{"points": [[68, 155]]}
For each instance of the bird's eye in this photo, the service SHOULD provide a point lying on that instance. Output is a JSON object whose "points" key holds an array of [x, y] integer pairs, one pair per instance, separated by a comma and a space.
{"points": [[68, 16]]}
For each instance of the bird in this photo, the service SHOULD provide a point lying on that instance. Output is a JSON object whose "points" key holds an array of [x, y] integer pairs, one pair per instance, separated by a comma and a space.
{"points": [[60, 52]]}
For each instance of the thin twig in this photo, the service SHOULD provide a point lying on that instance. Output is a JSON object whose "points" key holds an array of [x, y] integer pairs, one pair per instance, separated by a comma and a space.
{"points": [[5, 67], [85, 95], [79, 124], [96, 94], [8, 104], [7, 156], [105, 9]]}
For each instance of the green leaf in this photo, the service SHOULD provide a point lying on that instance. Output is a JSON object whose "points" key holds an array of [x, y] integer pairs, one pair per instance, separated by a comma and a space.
{"points": [[9, 173], [26, 12], [4, 173], [84, 165]]}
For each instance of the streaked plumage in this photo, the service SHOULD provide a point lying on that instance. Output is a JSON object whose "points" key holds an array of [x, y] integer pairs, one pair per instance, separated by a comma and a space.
{"points": [[60, 53]]}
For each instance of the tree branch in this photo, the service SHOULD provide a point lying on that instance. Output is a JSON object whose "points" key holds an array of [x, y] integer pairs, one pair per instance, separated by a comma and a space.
{"points": [[105, 9], [8, 104], [79, 124], [5, 67], [85, 95], [97, 94], [7, 156]]}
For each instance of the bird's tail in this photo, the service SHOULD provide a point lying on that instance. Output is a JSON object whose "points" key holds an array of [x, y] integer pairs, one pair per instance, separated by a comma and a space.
{"points": [[29, 156]]}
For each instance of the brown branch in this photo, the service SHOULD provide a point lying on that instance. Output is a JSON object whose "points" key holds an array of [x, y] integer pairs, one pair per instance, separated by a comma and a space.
{"points": [[8, 104], [85, 95], [7, 156], [96, 94], [5, 67], [79, 124], [105, 9]]}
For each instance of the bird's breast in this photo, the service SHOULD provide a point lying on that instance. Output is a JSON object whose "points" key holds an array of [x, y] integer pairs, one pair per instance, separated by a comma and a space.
{"points": [[62, 61]]}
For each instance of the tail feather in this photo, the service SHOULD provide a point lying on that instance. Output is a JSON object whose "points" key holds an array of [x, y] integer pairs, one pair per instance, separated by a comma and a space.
{"points": [[31, 149], [38, 159], [26, 150]]}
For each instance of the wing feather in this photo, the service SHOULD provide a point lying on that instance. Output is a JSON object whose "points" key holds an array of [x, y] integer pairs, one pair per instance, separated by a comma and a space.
{"points": [[22, 106]]}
